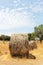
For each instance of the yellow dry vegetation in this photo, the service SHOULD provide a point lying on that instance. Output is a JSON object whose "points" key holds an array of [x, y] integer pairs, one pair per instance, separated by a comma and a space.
{"points": [[6, 59]]}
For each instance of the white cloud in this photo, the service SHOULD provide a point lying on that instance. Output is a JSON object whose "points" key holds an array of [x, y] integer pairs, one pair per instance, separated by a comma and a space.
{"points": [[23, 4], [37, 9], [15, 1], [37, 6], [13, 19]]}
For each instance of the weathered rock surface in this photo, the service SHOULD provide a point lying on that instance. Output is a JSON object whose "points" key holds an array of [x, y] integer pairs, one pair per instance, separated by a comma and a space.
{"points": [[19, 45]]}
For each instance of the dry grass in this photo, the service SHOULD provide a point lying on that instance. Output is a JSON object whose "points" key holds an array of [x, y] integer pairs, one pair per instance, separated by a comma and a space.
{"points": [[6, 59]]}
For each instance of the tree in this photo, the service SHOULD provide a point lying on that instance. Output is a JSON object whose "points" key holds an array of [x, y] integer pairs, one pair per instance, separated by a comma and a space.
{"points": [[39, 32], [4, 38], [33, 36], [29, 36]]}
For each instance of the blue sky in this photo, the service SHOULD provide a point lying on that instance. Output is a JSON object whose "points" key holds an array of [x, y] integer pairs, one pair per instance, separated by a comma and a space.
{"points": [[20, 16]]}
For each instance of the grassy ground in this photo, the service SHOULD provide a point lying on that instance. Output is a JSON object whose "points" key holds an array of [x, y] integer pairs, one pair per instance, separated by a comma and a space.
{"points": [[6, 59]]}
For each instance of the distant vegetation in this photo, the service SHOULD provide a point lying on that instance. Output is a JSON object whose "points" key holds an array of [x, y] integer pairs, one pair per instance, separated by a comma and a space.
{"points": [[4, 37]]}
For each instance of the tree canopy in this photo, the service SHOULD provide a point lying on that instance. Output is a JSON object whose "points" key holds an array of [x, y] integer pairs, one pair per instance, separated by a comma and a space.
{"points": [[38, 33]]}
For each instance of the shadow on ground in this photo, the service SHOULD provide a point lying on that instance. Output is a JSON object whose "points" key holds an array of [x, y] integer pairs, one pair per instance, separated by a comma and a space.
{"points": [[29, 57]]}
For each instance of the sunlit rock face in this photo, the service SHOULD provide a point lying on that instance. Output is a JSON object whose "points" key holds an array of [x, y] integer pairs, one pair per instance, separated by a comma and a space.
{"points": [[19, 45]]}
